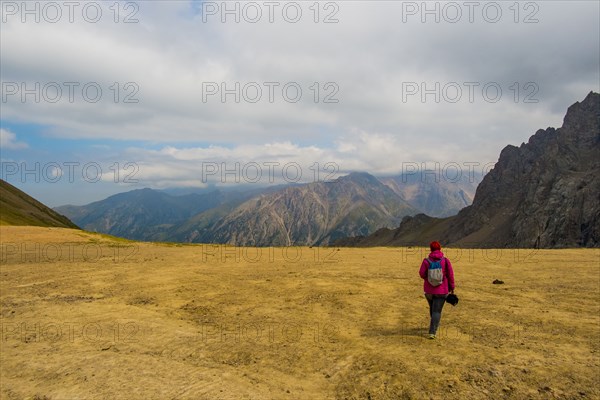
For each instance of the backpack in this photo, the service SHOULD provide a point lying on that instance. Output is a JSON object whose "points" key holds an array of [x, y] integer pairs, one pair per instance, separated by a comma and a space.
{"points": [[435, 274]]}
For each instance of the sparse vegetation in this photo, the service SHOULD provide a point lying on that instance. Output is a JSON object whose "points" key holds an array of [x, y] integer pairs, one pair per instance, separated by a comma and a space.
{"points": [[222, 322], [17, 208]]}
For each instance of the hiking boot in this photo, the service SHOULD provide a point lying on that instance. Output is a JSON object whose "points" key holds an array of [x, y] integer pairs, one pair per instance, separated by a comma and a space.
{"points": [[431, 336]]}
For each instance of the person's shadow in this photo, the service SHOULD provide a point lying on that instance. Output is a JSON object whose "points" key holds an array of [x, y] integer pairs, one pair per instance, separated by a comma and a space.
{"points": [[403, 331]]}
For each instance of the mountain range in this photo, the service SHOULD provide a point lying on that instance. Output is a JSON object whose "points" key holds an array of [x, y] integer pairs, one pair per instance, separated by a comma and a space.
{"points": [[436, 192], [142, 214], [316, 213], [542, 194], [312, 214]]}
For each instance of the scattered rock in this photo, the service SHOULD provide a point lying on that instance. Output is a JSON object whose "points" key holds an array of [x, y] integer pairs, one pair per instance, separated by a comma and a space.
{"points": [[498, 282], [495, 373]]}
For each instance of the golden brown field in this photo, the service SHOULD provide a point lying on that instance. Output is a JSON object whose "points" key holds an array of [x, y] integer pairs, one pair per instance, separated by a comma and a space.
{"points": [[85, 316]]}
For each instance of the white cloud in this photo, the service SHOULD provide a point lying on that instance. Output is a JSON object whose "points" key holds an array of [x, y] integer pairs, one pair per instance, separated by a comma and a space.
{"points": [[8, 140], [286, 162]]}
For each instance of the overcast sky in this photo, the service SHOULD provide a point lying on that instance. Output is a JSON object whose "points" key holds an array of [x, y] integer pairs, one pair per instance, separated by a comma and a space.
{"points": [[169, 93]]}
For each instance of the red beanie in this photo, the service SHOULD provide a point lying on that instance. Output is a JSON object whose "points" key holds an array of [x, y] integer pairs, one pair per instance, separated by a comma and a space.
{"points": [[435, 246]]}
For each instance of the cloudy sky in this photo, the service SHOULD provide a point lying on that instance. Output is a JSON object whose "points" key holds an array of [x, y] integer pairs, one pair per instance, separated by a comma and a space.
{"points": [[104, 97]]}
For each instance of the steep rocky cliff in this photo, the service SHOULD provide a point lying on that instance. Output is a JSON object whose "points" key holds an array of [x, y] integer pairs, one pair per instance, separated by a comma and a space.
{"points": [[544, 193]]}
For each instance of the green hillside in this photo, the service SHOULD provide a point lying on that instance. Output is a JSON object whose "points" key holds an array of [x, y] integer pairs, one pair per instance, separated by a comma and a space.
{"points": [[18, 208]]}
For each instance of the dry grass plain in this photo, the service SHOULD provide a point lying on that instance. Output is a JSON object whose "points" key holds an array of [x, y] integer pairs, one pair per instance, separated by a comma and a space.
{"points": [[86, 316]]}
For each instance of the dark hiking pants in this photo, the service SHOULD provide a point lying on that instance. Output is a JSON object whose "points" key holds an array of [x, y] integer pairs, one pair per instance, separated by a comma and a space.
{"points": [[436, 303]]}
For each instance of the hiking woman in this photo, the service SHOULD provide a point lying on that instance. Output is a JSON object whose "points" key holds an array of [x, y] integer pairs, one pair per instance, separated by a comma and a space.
{"points": [[438, 279]]}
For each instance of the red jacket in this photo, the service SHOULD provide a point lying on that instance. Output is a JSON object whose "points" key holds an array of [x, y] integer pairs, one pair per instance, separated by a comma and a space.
{"points": [[448, 282]]}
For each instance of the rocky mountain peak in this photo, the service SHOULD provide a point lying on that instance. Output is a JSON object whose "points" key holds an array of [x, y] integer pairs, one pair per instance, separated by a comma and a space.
{"points": [[583, 117], [544, 193]]}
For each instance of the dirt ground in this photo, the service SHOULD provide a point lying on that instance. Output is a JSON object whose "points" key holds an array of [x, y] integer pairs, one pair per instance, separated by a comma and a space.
{"points": [[86, 316]]}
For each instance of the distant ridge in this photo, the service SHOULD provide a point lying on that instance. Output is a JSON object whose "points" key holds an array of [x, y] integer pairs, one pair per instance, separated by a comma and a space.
{"points": [[151, 215], [312, 214], [543, 194], [300, 214], [138, 214], [433, 194], [18, 208]]}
